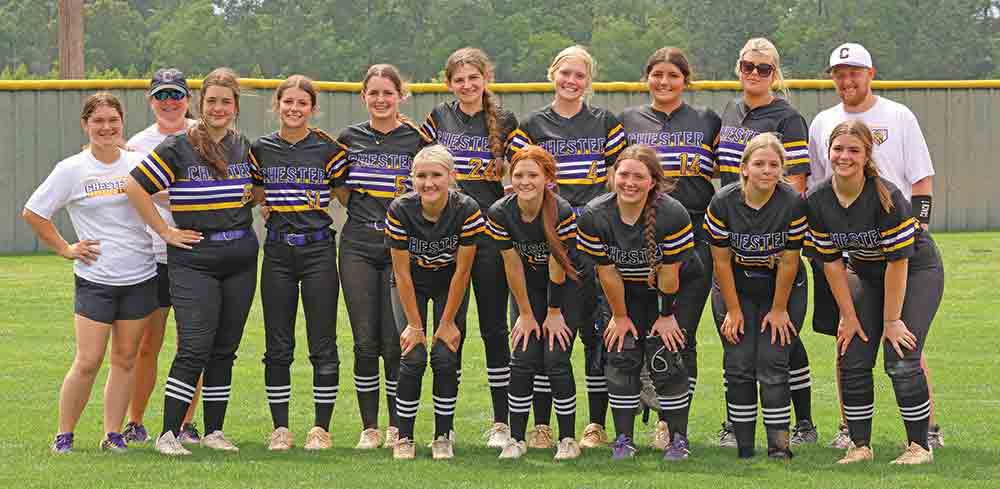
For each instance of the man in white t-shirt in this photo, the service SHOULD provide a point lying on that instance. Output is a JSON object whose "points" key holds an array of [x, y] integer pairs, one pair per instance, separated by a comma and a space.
{"points": [[901, 156]]}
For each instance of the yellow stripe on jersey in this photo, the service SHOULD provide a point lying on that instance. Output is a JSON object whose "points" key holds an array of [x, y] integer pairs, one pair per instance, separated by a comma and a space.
{"points": [[897, 246], [205, 207], [163, 165], [903, 225], [393, 220], [333, 161], [150, 177], [582, 181], [678, 234], [689, 244], [375, 193], [714, 219], [394, 236], [296, 208], [473, 217]]}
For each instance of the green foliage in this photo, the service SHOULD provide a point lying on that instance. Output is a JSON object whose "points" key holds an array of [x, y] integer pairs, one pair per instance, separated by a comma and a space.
{"points": [[339, 39]]}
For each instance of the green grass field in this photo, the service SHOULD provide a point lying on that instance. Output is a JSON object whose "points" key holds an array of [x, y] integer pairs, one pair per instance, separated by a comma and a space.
{"points": [[36, 345]]}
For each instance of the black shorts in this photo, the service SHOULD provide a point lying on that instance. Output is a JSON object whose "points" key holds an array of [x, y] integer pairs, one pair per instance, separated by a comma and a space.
{"points": [[109, 303], [163, 285]]}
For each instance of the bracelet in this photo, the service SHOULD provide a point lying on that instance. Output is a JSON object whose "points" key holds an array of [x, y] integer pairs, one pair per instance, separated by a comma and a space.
{"points": [[891, 320], [922, 208], [667, 303]]}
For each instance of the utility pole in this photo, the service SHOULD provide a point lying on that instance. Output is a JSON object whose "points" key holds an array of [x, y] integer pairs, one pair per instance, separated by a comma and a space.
{"points": [[71, 39]]}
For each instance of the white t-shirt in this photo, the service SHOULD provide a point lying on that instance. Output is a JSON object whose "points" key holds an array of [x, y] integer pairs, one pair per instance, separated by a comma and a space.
{"points": [[144, 142], [900, 150], [94, 195]]}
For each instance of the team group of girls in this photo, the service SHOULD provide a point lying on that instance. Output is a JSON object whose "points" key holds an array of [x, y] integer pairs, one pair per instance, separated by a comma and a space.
{"points": [[611, 230]]}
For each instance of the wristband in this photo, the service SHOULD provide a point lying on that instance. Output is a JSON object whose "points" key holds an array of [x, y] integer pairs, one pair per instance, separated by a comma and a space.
{"points": [[921, 208], [556, 294], [667, 303]]}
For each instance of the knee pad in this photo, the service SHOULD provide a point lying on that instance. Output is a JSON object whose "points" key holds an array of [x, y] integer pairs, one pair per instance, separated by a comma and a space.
{"points": [[623, 366], [443, 359], [663, 363]]}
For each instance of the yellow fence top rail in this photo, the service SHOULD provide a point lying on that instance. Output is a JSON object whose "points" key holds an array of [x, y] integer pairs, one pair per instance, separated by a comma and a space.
{"points": [[261, 83]]}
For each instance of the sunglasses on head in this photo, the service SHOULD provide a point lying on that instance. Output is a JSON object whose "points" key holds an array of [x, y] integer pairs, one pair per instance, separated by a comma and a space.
{"points": [[763, 69], [169, 94]]}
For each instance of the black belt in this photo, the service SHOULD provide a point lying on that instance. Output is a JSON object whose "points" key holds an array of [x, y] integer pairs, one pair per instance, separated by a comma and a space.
{"points": [[228, 235], [298, 239]]}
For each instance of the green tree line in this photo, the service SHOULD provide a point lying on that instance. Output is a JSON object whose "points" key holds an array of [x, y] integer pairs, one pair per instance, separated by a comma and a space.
{"points": [[339, 39]]}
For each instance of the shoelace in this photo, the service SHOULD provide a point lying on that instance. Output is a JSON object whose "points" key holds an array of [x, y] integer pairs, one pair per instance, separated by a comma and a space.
{"points": [[64, 440], [117, 440]]}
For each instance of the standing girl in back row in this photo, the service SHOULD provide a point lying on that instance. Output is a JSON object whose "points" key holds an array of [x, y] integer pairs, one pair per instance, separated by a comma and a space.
{"points": [[475, 130], [585, 141]]}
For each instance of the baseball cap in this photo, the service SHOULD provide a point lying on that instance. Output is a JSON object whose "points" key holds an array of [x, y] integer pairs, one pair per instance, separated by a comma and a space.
{"points": [[850, 54], [168, 79]]}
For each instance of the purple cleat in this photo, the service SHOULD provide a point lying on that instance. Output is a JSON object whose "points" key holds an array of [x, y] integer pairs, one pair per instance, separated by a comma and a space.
{"points": [[623, 448], [63, 443], [114, 443], [678, 448], [189, 434], [135, 433]]}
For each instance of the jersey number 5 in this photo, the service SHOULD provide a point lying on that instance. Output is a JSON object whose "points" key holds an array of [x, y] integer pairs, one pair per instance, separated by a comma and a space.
{"points": [[401, 185]]}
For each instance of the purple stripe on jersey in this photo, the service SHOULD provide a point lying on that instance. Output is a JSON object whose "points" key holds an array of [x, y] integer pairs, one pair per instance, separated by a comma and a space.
{"points": [[579, 158], [180, 184], [205, 200], [296, 186]]}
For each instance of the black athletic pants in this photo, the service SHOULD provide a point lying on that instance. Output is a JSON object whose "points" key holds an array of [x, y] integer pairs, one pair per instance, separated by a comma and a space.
{"points": [[924, 289], [667, 369], [444, 363], [212, 287], [365, 271], [489, 283], [538, 359], [755, 362], [286, 268]]}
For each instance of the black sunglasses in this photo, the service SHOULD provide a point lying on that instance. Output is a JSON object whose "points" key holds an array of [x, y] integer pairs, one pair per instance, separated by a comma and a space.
{"points": [[763, 69], [169, 94]]}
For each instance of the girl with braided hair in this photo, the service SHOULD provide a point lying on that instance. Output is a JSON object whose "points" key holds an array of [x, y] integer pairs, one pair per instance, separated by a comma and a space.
{"points": [[641, 238], [475, 130]]}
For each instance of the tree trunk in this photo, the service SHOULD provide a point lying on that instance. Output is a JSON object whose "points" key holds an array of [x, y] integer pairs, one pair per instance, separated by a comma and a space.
{"points": [[71, 39]]}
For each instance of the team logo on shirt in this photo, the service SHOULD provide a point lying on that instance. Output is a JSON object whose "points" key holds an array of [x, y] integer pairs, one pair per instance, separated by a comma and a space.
{"points": [[880, 135], [104, 188], [247, 194]]}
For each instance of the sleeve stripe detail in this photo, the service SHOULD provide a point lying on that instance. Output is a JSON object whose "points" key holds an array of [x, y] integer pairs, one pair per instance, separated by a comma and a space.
{"points": [[153, 179], [674, 237], [897, 229], [166, 167]]}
